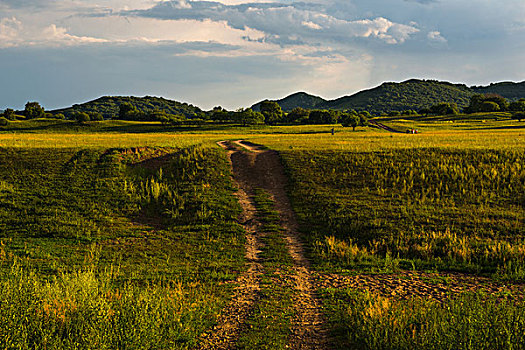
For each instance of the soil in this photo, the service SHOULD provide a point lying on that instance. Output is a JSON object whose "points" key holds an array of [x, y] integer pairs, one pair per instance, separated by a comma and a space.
{"points": [[262, 168], [233, 317], [439, 286], [254, 167]]}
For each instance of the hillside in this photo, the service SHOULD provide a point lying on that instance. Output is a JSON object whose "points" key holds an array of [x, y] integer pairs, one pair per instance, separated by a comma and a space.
{"points": [[509, 90], [108, 106], [299, 99], [412, 94]]}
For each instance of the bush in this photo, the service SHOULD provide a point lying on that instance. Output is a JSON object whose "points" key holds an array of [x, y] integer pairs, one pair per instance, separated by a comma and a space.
{"points": [[471, 321], [9, 114], [95, 116], [444, 109], [489, 106], [3, 121], [81, 117], [518, 115], [33, 110]]}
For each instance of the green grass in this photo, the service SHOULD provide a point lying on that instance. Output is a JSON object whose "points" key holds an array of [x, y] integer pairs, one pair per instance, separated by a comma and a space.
{"points": [[429, 208], [85, 310], [162, 220], [124, 235], [471, 321], [450, 198]]}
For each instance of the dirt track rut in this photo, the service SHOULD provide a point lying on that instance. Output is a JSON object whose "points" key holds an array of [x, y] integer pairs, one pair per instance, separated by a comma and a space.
{"points": [[233, 317], [254, 167]]}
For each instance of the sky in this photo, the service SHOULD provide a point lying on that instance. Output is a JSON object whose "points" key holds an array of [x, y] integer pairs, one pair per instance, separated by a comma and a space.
{"points": [[234, 53]]}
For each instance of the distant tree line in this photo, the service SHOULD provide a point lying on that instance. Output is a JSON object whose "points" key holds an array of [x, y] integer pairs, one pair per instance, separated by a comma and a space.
{"points": [[481, 103], [273, 115], [270, 113]]}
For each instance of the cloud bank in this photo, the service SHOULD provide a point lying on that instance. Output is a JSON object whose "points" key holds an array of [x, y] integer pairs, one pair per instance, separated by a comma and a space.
{"points": [[282, 22], [236, 52]]}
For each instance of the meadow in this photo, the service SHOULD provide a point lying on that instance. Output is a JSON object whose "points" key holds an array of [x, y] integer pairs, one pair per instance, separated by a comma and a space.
{"points": [[122, 248], [125, 234], [447, 199]]}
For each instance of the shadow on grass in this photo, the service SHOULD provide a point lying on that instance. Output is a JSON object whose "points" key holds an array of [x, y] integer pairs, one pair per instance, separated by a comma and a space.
{"points": [[110, 127]]}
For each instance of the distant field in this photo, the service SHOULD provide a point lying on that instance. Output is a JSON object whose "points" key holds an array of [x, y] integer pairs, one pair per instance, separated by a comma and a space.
{"points": [[465, 187], [471, 133]]}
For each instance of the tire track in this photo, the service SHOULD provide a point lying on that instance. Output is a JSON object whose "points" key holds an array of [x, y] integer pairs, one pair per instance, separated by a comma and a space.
{"points": [[262, 168], [233, 318]]}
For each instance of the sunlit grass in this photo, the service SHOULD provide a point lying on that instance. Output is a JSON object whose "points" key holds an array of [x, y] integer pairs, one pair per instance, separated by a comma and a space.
{"points": [[472, 134]]}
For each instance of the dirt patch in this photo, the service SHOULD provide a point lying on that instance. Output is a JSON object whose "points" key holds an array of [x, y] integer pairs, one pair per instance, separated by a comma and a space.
{"points": [[409, 284], [232, 320], [260, 168]]}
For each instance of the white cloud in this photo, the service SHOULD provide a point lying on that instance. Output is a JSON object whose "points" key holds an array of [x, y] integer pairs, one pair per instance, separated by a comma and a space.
{"points": [[14, 33], [436, 36], [311, 25], [283, 21], [9, 30], [205, 51]]}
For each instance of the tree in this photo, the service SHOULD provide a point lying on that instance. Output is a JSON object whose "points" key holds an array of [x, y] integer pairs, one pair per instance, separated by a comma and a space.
{"points": [[516, 106], [297, 115], [80, 117], [425, 111], [248, 117], [272, 112], [366, 114], [350, 119], [518, 115], [323, 117], [95, 116], [176, 119], [444, 109], [499, 100], [127, 111], [33, 110], [9, 114], [220, 114], [478, 103], [3, 121], [489, 106], [158, 115], [363, 118]]}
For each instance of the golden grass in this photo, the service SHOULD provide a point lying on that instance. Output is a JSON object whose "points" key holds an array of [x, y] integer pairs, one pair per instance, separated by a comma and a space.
{"points": [[491, 135]]}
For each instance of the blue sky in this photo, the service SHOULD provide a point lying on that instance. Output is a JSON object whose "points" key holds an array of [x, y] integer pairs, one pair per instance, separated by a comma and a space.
{"points": [[236, 52]]}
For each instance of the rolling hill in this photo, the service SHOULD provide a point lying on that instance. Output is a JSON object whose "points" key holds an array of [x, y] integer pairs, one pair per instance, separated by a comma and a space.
{"points": [[412, 94], [108, 106], [509, 90], [299, 99]]}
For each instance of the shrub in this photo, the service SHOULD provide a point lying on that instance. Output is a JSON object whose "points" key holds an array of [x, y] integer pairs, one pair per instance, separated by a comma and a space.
{"points": [[81, 117]]}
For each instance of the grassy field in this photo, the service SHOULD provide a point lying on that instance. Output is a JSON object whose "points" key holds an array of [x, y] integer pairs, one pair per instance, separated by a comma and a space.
{"points": [[448, 199], [115, 248], [124, 235]]}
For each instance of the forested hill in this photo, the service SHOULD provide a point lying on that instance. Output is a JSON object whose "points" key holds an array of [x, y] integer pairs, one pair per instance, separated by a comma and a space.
{"points": [[509, 90], [109, 106], [299, 99], [412, 94], [408, 95]]}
